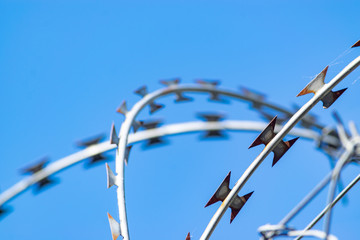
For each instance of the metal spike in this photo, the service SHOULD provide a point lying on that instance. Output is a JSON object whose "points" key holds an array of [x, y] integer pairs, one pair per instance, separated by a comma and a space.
{"points": [[281, 149], [181, 98], [142, 91], [36, 167], [170, 83], [114, 227], [208, 83], [136, 125], [211, 84], [256, 97], [122, 108], [267, 135], [92, 141], [127, 153], [96, 159], [212, 117], [223, 191], [45, 182], [357, 44], [316, 84], [114, 139], [188, 236], [155, 107], [151, 125], [4, 211], [331, 97], [237, 204], [111, 178]]}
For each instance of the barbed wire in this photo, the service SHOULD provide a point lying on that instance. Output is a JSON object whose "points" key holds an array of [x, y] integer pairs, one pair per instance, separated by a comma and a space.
{"points": [[330, 141]]}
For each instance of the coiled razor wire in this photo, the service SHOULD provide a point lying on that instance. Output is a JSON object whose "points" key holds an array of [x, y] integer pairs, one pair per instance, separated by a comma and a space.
{"points": [[328, 140]]}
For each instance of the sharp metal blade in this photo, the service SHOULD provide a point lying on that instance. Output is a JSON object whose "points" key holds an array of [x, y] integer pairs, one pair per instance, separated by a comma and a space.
{"points": [[214, 134], [4, 211], [266, 135], [122, 108], [211, 117], [111, 178], [114, 227], [357, 44], [142, 91], [208, 83], [44, 184], [222, 191], [181, 98], [331, 97], [281, 149], [136, 125], [155, 107], [91, 141], [36, 167], [169, 83], [154, 141], [114, 139], [96, 159], [127, 153], [315, 84], [237, 205]]}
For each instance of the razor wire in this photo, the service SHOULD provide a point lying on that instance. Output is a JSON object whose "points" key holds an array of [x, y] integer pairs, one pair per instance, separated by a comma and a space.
{"points": [[121, 142]]}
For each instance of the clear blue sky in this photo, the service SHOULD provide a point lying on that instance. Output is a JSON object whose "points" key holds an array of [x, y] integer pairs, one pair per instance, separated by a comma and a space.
{"points": [[65, 66]]}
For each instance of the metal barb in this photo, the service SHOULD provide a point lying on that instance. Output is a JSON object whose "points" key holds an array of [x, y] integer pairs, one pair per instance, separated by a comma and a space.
{"points": [[316, 84], [127, 153], [188, 236], [114, 139], [136, 125], [357, 44], [142, 91], [122, 108], [179, 95], [212, 117], [267, 135], [37, 168], [114, 227], [88, 143], [4, 211], [222, 192], [111, 178], [151, 125], [155, 107], [170, 83], [214, 96]]}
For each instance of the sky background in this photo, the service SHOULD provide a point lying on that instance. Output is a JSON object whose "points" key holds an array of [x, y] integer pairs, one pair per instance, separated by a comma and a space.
{"points": [[65, 66]]}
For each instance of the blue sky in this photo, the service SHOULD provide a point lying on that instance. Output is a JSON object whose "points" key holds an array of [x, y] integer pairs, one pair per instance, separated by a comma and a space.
{"points": [[65, 66]]}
